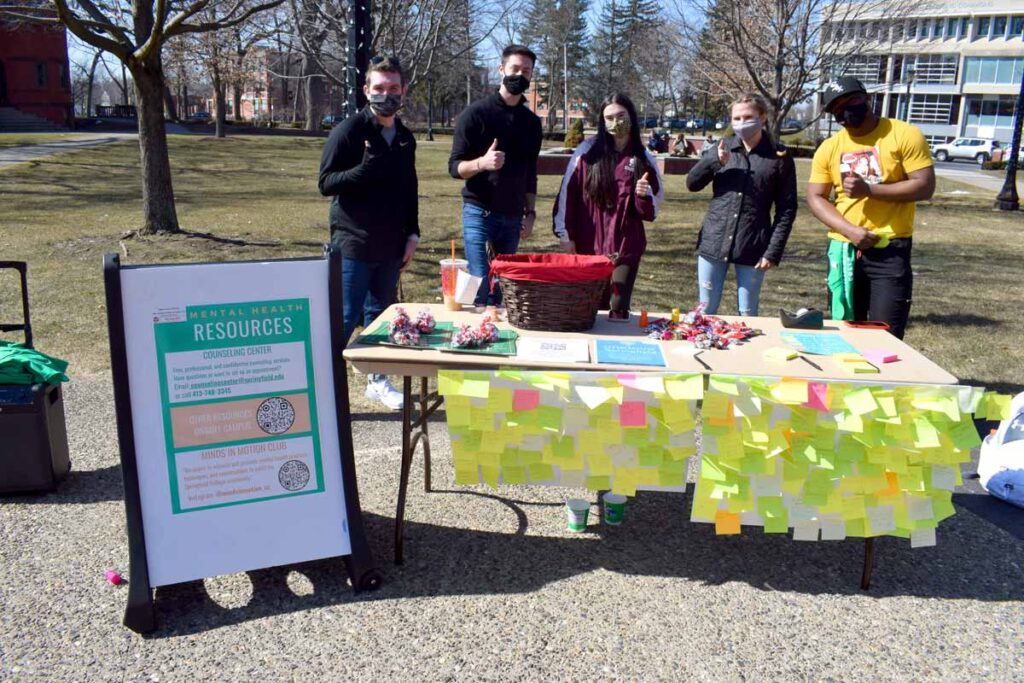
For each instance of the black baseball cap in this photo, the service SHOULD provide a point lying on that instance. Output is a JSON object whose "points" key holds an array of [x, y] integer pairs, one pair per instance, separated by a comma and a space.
{"points": [[839, 87]]}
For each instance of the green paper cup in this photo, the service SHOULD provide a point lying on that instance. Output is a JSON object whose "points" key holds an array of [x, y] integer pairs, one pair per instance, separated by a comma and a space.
{"points": [[614, 508], [576, 513]]}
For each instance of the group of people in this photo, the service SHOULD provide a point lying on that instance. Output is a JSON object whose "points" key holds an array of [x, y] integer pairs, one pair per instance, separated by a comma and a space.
{"points": [[875, 167]]}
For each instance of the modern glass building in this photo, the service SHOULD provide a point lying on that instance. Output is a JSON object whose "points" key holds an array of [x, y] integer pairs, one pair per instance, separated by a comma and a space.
{"points": [[951, 67]]}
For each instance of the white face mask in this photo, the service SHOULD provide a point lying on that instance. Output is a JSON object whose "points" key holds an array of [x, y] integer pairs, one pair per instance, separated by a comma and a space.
{"points": [[747, 130]]}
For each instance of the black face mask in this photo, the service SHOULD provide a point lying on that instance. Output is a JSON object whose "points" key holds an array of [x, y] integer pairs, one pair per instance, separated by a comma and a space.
{"points": [[852, 116], [384, 104], [516, 85]]}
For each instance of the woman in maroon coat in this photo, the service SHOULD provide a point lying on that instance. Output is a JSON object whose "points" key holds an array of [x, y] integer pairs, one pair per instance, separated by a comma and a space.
{"points": [[610, 188]]}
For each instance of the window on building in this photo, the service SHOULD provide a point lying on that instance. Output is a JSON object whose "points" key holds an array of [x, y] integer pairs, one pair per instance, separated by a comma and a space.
{"points": [[951, 25], [965, 23], [933, 69], [869, 69], [937, 28], [924, 29], [984, 24], [898, 30], [911, 30], [41, 77], [999, 27], [932, 109], [1017, 26], [994, 70], [995, 111]]}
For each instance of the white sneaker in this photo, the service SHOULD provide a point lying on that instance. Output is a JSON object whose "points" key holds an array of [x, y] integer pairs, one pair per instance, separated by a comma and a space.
{"points": [[381, 390]]}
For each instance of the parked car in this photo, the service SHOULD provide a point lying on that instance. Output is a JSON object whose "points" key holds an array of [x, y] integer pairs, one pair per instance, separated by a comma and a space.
{"points": [[721, 125], [695, 123], [673, 124], [650, 122], [331, 120], [200, 116], [976, 149]]}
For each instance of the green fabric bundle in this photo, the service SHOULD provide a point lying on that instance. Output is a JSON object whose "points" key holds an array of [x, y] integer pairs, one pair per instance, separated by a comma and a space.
{"points": [[20, 365]]}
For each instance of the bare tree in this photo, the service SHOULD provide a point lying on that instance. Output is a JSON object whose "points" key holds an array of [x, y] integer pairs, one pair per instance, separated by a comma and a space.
{"points": [[777, 48], [134, 32]]}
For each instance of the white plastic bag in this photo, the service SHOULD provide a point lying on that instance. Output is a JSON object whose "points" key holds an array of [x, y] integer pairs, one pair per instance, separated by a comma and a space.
{"points": [[1001, 462]]}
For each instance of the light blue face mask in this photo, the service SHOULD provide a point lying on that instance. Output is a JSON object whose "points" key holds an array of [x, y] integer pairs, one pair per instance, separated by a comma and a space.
{"points": [[747, 129]]}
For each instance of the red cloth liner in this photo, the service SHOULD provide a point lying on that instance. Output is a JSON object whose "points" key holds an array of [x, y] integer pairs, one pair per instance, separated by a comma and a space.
{"points": [[552, 267]]}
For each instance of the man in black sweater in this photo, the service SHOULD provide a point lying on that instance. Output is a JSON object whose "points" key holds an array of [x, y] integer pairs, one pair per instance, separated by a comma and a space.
{"points": [[368, 167], [497, 140]]}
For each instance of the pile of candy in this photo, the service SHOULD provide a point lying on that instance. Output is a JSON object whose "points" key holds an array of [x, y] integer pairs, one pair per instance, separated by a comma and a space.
{"points": [[705, 331], [469, 338], [405, 331]]}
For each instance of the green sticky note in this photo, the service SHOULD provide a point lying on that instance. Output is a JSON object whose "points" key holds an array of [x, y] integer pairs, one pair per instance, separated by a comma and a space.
{"points": [[754, 464], [964, 435], [490, 475], [471, 441], [672, 473], [685, 389], [514, 474], [563, 446], [724, 384], [635, 436], [651, 455], [711, 470], [549, 418], [925, 433], [599, 482], [716, 407], [481, 419], [541, 472], [529, 457], [861, 401]]}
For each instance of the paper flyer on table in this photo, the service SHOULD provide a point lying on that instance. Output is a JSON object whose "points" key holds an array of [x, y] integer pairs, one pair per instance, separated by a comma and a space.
{"points": [[553, 349]]}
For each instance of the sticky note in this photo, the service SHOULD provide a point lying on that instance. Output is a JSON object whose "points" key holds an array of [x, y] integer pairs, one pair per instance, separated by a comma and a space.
{"points": [[853, 507], [861, 401], [919, 507], [790, 391], [449, 382], [806, 531], [716, 406], [710, 470], [724, 384], [467, 476], [599, 483], [458, 410], [541, 472], [476, 388], [881, 519], [943, 477], [673, 473], [833, 529], [817, 396], [549, 418], [513, 474], [688, 389], [922, 538], [880, 356], [633, 414], [726, 523], [625, 482], [574, 479], [525, 399], [600, 464], [592, 397], [779, 354]]}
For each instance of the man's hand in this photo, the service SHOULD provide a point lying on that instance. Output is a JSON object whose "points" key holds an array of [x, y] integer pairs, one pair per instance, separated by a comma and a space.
{"points": [[643, 186], [862, 238], [856, 187], [568, 246], [492, 160], [410, 251], [764, 264], [723, 153], [527, 228]]}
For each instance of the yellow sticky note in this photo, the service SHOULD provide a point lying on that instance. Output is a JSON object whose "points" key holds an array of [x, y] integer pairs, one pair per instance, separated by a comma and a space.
{"points": [[724, 384], [514, 474], [625, 481], [600, 464], [449, 382], [717, 407], [541, 472], [598, 483], [480, 418], [726, 523], [467, 475], [704, 507], [790, 390], [861, 401], [779, 354], [687, 389], [476, 388], [499, 400], [853, 508], [457, 408]]}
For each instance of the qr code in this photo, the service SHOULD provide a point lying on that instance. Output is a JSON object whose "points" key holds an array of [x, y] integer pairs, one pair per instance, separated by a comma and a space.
{"points": [[293, 475], [275, 415]]}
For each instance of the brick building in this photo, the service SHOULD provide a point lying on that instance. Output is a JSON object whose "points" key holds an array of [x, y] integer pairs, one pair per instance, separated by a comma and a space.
{"points": [[35, 75]]}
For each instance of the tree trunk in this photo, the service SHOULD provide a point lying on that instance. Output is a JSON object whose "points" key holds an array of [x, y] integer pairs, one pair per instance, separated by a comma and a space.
{"points": [[92, 81], [236, 100], [170, 111], [220, 101], [314, 97], [158, 208]]}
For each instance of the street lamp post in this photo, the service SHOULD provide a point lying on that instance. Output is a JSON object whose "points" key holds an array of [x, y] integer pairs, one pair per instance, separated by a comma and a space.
{"points": [[1007, 199], [911, 72], [430, 107]]}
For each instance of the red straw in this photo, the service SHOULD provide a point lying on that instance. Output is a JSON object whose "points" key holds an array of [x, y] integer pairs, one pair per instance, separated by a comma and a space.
{"points": [[453, 250]]}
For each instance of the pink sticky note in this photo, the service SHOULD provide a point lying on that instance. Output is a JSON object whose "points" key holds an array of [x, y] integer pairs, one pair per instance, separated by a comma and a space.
{"points": [[877, 356], [633, 414], [525, 399], [817, 396]]}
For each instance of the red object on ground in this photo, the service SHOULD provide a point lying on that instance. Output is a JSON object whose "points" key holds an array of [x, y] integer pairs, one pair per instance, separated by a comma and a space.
{"points": [[113, 578], [552, 267]]}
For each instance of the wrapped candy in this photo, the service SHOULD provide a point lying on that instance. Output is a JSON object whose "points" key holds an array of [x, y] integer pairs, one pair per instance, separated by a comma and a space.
{"points": [[399, 322], [705, 331], [465, 338], [488, 332], [425, 322]]}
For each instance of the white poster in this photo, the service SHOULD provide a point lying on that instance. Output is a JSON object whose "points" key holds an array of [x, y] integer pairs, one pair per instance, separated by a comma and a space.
{"points": [[232, 395]]}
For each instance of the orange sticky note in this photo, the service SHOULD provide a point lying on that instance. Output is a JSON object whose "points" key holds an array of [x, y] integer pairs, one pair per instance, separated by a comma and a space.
{"points": [[727, 523]]}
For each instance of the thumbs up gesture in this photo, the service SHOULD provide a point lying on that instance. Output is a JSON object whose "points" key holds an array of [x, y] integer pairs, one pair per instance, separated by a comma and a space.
{"points": [[723, 153], [492, 160], [643, 186]]}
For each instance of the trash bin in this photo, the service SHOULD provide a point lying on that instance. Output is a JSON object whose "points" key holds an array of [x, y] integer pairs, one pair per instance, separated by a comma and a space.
{"points": [[33, 433]]}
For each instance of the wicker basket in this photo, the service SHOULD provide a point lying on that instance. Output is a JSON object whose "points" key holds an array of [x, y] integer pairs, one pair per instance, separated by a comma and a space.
{"points": [[567, 305]]}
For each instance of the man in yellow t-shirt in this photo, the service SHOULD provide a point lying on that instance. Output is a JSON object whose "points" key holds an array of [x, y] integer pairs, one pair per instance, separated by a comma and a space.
{"points": [[877, 168]]}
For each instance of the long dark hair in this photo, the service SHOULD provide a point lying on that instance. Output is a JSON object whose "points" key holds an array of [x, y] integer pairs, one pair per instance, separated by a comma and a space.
{"points": [[602, 155]]}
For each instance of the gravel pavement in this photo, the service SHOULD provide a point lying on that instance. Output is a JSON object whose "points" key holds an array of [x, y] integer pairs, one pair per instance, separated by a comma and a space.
{"points": [[494, 588]]}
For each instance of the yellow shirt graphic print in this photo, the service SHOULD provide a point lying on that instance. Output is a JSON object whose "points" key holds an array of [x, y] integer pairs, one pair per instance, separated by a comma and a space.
{"points": [[888, 154]]}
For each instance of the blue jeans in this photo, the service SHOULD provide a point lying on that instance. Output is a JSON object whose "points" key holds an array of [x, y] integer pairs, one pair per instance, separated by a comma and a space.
{"points": [[369, 288], [711, 280], [478, 227]]}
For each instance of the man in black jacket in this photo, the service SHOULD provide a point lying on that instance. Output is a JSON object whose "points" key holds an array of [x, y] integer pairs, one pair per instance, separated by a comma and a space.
{"points": [[497, 140], [368, 167]]}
